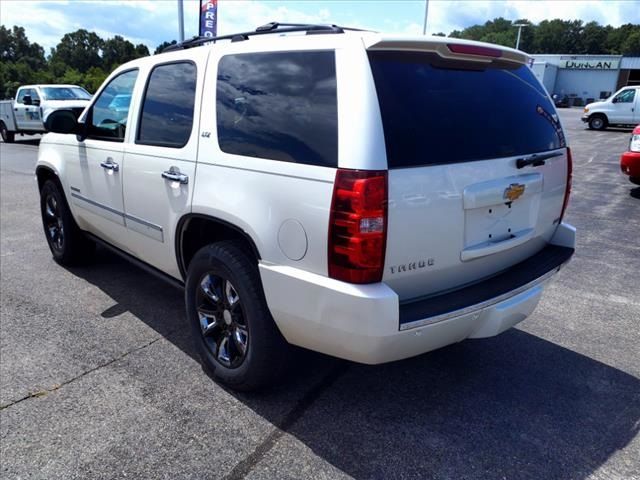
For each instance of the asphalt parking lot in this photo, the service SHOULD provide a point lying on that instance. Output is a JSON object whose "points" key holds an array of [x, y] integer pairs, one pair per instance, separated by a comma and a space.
{"points": [[98, 378]]}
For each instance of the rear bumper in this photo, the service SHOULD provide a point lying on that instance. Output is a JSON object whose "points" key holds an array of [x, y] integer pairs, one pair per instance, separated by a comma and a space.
{"points": [[363, 322]]}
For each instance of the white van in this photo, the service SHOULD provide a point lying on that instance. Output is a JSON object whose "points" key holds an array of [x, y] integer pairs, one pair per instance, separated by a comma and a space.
{"points": [[621, 108]]}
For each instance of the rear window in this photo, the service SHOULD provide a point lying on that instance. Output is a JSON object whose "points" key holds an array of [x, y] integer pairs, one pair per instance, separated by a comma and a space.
{"points": [[436, 112], [279, 106]]}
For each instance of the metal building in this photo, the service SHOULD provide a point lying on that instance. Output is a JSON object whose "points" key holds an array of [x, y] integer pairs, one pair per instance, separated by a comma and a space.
{"points": [[585, 78]]}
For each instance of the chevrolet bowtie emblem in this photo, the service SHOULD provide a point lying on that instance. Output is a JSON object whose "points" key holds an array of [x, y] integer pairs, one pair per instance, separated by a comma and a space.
{"points": [[513, 191]]}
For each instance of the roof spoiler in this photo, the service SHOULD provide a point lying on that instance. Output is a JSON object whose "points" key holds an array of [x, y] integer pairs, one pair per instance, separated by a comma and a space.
{"points": [[450, 48]]}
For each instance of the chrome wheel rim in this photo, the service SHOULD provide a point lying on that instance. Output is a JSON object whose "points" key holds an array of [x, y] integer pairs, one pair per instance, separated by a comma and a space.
{"points": [[53, 222], [222, 321]]}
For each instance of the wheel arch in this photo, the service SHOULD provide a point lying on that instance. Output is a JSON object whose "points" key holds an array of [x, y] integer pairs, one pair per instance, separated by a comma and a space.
{"points": [[600, 114], [46, 172], [195, 230]]}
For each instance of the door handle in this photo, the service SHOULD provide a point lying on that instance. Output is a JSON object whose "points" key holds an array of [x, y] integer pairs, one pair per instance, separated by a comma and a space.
{"points": [[110, 165], [174, 175]]}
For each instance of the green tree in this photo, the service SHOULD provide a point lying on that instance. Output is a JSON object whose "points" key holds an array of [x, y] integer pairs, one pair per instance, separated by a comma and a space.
{"points": [[15, 46], [594, 39], [617, 37], [162, 46], [631, 46], [20, 60], [117, 50], [93, 79], [79, 50]]}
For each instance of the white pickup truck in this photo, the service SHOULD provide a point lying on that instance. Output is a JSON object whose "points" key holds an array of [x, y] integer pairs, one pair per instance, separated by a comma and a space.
{"points": [[33, 104]]}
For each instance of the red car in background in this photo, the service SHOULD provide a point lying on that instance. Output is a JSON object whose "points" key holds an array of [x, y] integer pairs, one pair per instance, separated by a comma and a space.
{"points": [[630, 161]]}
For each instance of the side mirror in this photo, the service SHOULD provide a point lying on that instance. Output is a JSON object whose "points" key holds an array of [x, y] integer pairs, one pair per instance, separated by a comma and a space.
{"points": [[615, 100], [61, 121], [27, 100]]}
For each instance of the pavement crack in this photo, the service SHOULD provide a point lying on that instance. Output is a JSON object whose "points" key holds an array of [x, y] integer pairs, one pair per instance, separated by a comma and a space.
{"points": [[245, 466], [47, 391]]}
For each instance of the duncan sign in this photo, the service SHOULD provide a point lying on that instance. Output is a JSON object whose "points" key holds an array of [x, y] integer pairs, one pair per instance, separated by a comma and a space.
{"points": [[590, 64]]}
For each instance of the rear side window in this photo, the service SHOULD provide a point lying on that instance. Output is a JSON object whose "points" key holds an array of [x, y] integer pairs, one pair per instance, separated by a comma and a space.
{"points": [[279, 106], [167, 109], [434, 112]]}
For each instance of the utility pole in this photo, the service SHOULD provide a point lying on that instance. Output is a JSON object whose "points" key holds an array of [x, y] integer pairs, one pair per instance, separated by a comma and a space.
{"points": [[180, 22], [426, 11], [519, 25]]}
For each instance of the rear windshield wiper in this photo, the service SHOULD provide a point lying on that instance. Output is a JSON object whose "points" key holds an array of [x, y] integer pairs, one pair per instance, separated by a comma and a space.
{"points": [[536, 159]]}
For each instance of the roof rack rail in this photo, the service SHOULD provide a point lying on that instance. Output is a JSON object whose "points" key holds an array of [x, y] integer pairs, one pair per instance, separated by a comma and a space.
{"points": [[269, 28]]}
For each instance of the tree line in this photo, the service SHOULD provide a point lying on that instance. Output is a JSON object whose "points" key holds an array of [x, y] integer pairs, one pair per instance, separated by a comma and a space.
{"points": [[80, 58], [84, 58], [557, 36]]}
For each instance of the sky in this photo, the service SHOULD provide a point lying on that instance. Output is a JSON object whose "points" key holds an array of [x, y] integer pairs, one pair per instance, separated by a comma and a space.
{"points": [[153, 21]]}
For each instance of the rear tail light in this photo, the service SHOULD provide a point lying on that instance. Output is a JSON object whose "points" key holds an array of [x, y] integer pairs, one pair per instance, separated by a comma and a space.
{"points": [[567, 191], [474, 50], [358, 226]]}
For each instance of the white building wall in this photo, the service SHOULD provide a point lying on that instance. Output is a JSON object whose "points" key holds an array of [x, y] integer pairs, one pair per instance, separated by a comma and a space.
{"points": [[585, 83]]}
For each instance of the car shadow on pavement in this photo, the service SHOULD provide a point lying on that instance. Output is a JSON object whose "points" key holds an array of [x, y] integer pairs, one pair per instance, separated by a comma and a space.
{"points": [[512, 406], [635, 192]]}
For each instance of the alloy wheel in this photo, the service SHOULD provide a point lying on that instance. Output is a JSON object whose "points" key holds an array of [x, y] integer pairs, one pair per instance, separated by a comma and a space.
{"points": [[222, 321], [53, 222]]}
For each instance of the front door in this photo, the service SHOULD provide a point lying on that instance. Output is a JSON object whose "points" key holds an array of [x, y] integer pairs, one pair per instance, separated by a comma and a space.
{"points": [[95, 177], [623, 106], [160, 162], [27, 114]]}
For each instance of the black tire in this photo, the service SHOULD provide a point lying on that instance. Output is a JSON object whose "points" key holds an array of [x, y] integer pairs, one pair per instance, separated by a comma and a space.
{"points": [[7, 136], [598, 122], [635, 180], [224, 272], [68, 245]]}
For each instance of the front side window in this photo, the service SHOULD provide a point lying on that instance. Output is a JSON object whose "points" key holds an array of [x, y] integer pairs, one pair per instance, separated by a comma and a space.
{"points": [[108, 116], [167, 108], [626, 96], [279, 106], [23, 93]]}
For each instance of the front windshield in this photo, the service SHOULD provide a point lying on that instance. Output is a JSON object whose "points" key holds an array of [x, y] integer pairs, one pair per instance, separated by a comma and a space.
{"points": [[65, 93]]}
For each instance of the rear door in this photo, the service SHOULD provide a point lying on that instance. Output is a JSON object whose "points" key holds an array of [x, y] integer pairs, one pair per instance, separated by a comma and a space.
{"points": [[466, 201], [160, 165]]}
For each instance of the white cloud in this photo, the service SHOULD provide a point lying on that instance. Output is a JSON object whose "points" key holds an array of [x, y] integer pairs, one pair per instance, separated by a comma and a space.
{"points": [[445, 16], [153, 21]]}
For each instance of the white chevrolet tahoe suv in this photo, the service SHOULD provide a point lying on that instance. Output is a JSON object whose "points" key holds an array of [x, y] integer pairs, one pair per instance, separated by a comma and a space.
{"points": [[366, 196]]}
